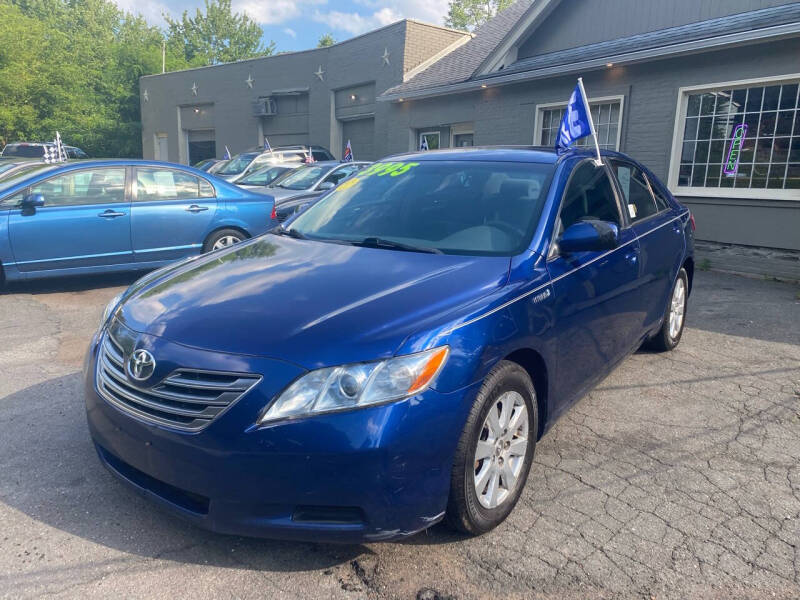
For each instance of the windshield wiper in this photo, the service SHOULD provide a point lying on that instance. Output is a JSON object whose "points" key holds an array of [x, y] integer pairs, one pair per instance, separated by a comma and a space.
{"points": [[376, 242], [291, 232]]}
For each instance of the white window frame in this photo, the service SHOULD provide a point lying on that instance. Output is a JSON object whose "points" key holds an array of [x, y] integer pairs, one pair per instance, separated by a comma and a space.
{"points": [[437, 133], [540, 108], [461, 129], [677, 142]]}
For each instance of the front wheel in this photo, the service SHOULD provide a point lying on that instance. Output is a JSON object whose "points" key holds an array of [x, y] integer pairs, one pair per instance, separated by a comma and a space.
{"points": [[222, 239], [674, 318], [495, 451]]}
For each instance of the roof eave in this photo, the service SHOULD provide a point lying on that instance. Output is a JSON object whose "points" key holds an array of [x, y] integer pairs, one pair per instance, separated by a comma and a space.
{"points": [[717, 42]]}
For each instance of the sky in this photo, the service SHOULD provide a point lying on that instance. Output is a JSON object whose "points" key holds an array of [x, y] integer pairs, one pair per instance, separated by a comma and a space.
{"points": [[298, 24]]}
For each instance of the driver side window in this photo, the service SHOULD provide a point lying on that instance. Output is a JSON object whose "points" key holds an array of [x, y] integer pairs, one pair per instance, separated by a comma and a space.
{"points": [[589, 195]]}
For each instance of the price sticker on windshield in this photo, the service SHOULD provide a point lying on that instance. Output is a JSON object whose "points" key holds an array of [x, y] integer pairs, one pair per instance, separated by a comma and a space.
{"points": [[392, 169]]}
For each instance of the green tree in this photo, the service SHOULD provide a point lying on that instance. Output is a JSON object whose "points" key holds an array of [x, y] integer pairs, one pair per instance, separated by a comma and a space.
{"points": [[325, 41], [469, 14], [218, 36], [73, 66]]}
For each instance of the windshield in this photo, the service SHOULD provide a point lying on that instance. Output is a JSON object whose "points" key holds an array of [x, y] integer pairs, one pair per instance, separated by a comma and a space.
{"points": [[454, 207], [7, 184], [237, 164], [23, 151], [263, 176], [303, 178], [16, 170]]}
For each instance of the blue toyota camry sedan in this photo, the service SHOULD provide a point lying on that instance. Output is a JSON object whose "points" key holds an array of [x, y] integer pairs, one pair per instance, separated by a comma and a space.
{"points": [[97, 216], [390, 357]]}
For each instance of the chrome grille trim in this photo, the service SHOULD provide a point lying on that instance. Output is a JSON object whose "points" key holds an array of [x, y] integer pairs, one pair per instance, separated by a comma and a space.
{"points": [[187, 399]]}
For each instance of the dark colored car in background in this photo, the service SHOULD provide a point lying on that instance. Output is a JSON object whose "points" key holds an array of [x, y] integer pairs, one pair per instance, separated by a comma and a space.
{"points": [[205, 165], [391, 357], [36, 150], [100, 216]]}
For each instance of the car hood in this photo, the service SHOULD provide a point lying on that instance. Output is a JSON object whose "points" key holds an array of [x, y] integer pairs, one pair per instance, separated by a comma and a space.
{"points": [[282, 194], [311, 303]]}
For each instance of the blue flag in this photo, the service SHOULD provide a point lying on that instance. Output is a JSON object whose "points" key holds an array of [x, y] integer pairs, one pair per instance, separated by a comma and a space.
{"points": [[227, 155], [576, 122]]}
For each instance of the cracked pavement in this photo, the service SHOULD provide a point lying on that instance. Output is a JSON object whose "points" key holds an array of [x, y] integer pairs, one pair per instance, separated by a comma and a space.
{"points": [[678, 476]]}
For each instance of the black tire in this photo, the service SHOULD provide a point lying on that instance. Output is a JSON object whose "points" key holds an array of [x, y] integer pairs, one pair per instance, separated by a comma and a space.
{"points": [[465, 512], [216, 236], [664, 341]]}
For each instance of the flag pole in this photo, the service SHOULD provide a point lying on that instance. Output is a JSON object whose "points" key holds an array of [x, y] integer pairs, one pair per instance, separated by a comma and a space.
{"points": [[598, 162]]}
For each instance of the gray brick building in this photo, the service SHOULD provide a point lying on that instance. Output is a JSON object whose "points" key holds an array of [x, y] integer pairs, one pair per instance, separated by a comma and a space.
{"points": [[323, 96], [668, 83]]}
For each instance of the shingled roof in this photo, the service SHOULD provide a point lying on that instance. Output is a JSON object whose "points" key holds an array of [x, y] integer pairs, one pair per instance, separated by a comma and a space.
{"points": [[461, 64], [464, 68], [755, 19]]}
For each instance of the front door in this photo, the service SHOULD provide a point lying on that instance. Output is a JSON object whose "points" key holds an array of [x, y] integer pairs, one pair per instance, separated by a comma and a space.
{"points": [[660, 236], [596, 300], [85, 222], [172, 211]]}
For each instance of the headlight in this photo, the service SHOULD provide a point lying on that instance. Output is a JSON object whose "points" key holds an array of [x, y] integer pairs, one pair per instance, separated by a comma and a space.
{"points": [[110, 308], [357, 385]]}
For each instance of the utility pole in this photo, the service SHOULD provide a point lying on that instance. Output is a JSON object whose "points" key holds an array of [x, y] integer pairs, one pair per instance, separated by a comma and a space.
{"points": [[163, 56]]}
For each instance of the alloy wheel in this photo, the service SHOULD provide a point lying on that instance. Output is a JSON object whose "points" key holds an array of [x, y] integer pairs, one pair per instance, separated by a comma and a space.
{"points": [[501, 449], [677, 308], [225, 241]]}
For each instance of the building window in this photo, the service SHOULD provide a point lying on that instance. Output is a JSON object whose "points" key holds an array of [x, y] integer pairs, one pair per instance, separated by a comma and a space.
{"points": [[732, 139], [606, 114], [431, 138]]}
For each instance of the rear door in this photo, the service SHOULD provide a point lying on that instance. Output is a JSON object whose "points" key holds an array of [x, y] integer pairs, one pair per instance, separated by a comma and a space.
{"points": [[85, 222], [660, 237], [597, 308], [171, 213]]}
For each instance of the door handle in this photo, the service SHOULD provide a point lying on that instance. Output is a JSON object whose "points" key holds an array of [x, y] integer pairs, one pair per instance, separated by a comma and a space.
{"points": [[110, 214], [194, 208], [632, 256]]}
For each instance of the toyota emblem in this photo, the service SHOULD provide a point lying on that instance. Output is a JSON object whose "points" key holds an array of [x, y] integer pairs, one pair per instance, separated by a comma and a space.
{"points": [[141, 365]]}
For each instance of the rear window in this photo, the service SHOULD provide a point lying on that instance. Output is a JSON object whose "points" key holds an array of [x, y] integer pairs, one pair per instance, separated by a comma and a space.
{"points": [[23, 151]]}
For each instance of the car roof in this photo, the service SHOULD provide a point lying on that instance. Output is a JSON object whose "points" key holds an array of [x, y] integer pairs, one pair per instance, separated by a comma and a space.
{"points": [[527, 154]]}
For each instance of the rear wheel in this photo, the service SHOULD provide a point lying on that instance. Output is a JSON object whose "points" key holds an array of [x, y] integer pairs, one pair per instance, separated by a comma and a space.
{"points": [[674, 318], [222, 239], [495, 451]]}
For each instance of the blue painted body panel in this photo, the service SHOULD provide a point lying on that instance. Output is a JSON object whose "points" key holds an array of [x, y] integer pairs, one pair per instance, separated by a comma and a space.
{"points": [[278, 306], [72, 240]]}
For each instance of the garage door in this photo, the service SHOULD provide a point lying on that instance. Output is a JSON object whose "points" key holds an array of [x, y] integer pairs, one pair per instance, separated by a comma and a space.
{"points": [[361, 133], [202, 145]]}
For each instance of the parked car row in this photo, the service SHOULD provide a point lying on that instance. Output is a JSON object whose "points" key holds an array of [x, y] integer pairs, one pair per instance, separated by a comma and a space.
{"points": [[413, 332]]}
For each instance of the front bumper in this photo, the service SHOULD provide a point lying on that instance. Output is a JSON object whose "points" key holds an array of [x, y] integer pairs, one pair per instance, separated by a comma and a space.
{"points": [[377, 473]]}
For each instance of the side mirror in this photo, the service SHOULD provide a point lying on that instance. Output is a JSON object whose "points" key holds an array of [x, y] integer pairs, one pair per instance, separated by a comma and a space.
{"points": [[326, 185], [589, 235], [32, 201]]}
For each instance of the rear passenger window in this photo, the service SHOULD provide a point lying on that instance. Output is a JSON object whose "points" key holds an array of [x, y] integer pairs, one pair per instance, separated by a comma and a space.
{"points": [[206, 189], [589, 195], [636, 192], [661, 199], [166, 184]]}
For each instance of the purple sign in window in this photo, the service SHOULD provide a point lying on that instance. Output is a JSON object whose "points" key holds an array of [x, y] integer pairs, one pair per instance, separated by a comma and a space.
{"points": [[735, 150]]}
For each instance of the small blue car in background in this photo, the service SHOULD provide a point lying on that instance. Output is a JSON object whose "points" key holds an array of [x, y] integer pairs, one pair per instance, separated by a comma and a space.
{"points": [[390, 357], [99, 216]]}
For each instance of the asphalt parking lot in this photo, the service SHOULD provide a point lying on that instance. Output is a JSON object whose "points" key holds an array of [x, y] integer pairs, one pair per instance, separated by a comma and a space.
{"points": [[678, 476]]}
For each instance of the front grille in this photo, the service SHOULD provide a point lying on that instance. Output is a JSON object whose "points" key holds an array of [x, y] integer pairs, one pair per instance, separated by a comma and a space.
{"points": [[186, 399]]}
